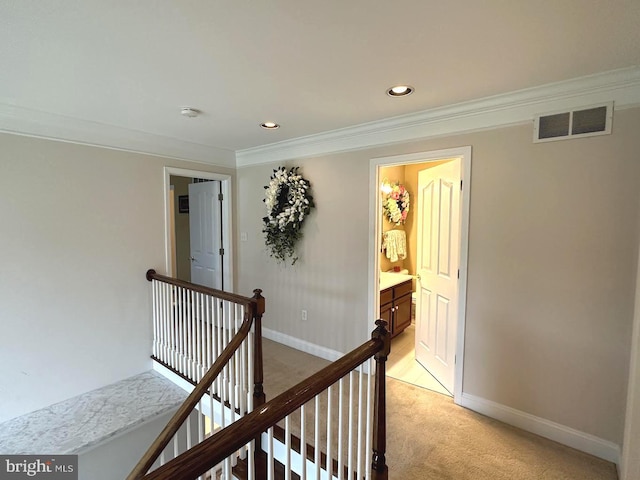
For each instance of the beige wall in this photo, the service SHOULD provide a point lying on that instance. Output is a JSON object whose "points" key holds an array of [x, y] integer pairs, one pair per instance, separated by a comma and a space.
{"points": [[553, 243], [80, 227]]}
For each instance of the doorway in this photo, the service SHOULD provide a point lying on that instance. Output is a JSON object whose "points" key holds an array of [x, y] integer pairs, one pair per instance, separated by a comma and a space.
{"points": [[198, 227], [405, 169]]}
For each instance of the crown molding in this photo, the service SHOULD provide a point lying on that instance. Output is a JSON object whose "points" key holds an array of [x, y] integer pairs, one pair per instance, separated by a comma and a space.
{"points": [[35, 123], [620, 86]]}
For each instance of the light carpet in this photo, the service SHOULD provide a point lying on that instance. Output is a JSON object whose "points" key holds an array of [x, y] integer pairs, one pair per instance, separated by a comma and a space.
{"points": [[431, 438]]}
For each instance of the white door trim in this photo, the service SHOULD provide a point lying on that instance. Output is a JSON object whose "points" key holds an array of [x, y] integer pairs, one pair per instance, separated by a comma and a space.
{"points": [[375, 233], [227, 235]]}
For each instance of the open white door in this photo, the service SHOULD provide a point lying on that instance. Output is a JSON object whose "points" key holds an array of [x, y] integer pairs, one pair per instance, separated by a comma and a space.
{"points": [[205, 231], [437, 268]]}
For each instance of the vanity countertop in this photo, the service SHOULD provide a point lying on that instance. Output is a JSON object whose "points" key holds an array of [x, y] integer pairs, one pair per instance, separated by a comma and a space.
{"points": [[389, 279]]}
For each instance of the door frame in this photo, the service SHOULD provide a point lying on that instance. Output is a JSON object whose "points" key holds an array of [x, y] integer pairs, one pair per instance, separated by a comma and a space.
{"points": [[227, 231], [375, 234]]}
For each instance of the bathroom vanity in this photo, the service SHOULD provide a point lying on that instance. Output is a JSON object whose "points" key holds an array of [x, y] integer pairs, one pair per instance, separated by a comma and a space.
{"points": [[395, 301]]}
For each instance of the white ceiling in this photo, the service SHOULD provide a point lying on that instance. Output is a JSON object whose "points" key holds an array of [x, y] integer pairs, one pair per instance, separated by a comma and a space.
{"points": [[310, 66]]}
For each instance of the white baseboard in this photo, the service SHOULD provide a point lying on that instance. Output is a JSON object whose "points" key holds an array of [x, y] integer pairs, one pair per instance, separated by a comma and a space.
{"points": [[582, 441], [302, 345]]}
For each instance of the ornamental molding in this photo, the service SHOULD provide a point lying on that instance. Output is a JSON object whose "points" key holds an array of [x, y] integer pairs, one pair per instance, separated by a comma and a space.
{"points": [[51, 126], [620, 86]]}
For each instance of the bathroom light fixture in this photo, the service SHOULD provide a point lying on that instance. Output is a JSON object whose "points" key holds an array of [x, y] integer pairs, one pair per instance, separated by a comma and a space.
{"points": [[400, 91], [385, 187], [269, 125], [190, 112]]}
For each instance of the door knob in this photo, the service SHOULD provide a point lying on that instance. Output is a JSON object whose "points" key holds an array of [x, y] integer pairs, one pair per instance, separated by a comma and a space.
{"points": [[192, 259]]}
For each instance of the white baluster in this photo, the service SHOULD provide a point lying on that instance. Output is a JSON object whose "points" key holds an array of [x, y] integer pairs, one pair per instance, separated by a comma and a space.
{"points": [[163, 311], [203, 335], [361, 437], [192, 335], [340, 427], [199, 335], [163, 323], [187, 332], [170, 334], [350, 428], [243, 376], [227, 468], [156, 320], [186, 307], [159, 301], [270, 463], [250, 374], [180, 330], [251, 461], [223, 344], [329, 413], [220, 339], [176, 446], [172, 326], [157, 313], [287, 448], [189, 434], [211, 411], [231, 385], [200, 420], [165, 305], [316, 439], [368, 452], [303, 442], [209, 331]]}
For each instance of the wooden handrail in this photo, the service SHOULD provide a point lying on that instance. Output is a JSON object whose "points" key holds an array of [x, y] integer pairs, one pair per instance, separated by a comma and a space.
{"points": [[255, 309], [256, 300], [213, 450]]}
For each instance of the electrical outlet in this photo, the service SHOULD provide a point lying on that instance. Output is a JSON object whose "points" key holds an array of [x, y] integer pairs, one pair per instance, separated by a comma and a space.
{"points": [[303, 317]]}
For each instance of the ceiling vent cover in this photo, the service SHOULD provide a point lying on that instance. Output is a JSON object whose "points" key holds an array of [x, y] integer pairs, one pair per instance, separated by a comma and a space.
{"points": [[581, 122]]}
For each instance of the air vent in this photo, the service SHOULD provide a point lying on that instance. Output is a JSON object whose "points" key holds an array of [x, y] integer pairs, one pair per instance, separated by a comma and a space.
{"points": [[582, 122]]}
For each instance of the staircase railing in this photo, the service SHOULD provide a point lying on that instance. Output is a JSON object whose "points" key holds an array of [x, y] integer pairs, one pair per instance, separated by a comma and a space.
{"points": [[213, 340], [260, 424]]}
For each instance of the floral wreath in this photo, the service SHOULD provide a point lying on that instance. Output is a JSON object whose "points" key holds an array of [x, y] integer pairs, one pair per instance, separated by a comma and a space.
{"points": [[288, 203], [396, 202]]}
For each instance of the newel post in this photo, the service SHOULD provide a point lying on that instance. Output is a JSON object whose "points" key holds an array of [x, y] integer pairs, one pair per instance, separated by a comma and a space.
{"points": [[379, 468], [258, 370], [259, 456]]}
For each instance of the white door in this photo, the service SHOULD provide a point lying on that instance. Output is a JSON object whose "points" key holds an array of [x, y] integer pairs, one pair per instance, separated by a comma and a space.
{"points": [[437, 268], [205, 232]]}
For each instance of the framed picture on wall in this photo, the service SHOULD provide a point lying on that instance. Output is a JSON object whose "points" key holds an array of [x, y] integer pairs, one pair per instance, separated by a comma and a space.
{"points": [[183, 203]]}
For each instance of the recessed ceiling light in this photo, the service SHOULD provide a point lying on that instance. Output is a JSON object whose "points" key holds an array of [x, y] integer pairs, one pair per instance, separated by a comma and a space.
{"points": [[269, 125], [190, 112], [400, 91]]}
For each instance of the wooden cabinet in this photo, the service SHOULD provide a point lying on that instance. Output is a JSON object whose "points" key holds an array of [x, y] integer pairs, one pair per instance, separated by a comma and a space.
{"points": [[395, 307]]}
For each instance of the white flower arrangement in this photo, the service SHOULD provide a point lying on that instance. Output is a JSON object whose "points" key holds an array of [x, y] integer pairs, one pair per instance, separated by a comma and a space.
{"points": [[288, 203], [396, 203]]}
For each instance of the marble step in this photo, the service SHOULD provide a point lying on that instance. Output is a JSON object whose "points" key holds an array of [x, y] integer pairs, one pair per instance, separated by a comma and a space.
{"points": [[81, 423]]}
